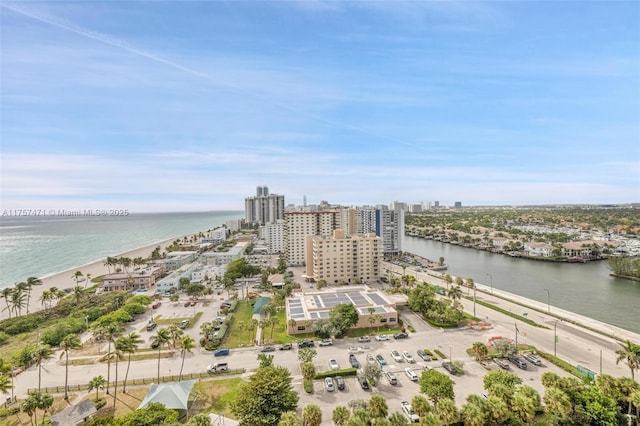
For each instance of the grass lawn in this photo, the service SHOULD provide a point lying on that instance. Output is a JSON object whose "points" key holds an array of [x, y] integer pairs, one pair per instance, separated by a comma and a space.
{"points": [[215, 396], [237, 338], [280, 334]]}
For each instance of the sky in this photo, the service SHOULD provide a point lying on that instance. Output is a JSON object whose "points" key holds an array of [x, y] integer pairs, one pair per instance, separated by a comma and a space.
{"points": [[154, 106]]}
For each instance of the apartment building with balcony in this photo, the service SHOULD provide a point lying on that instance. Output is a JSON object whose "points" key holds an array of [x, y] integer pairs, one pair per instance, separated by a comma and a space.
{"points": [[300, 225]]}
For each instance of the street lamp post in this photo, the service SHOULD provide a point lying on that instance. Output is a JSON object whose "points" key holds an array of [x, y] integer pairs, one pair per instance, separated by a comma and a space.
{"points": [[491, 278], [548, 300], [555, 338], [474, 300]]}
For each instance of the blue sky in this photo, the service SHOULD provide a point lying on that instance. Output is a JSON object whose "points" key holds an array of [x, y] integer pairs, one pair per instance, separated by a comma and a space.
{"points": [[188, 105]]}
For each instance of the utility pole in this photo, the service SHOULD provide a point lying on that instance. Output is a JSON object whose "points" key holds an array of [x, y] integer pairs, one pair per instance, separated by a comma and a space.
{"points": [[491, 278], [555, 338], [474, 300], [516, 324]]}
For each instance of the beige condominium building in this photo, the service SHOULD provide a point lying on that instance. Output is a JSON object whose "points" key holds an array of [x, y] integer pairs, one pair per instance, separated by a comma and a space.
{"points": [[299, 225], [374, 308], [343, 259]]}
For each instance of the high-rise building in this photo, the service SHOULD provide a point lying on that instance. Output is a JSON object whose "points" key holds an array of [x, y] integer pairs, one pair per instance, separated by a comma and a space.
{"points": [[299, 225], [457, 205], [390, 226], [264, 207], [273, 236], [350, 259]]}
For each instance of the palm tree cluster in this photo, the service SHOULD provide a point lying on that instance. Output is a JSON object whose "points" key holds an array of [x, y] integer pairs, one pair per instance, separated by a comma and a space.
{"points": [[122, 264], [442, 311], [37, 401], [18, 297]]}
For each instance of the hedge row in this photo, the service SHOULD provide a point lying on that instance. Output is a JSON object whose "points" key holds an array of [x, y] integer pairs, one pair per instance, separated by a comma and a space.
{"points": [[334, 373]]}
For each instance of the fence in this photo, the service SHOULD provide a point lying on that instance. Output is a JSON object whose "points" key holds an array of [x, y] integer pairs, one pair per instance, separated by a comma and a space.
{"points": [[144, 381]]}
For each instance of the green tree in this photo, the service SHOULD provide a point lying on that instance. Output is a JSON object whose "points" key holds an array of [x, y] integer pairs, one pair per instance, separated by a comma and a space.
{"points": [[110, 332], [262, 400], [475, 411], [447, 280], [629, 352], [199, 420], [496, 377], [128, 344], [420, 405], [5, 384], [160, 339], [455, 293], [343, 316], [265, 360], [378, 407], [306, 354], [505, 348], [152, 415], [340, 415], [436, 386], [372, 372], [41, 354], [398, 419], [186, 346], [96, 383], [446, 411], [175, 333], [6, 295], [44, 403], [498, 410], [312, 415], [30, 406], [289, 418], [308, 370], [558, 404], [69, 342], [523, 407], [479, 350]]}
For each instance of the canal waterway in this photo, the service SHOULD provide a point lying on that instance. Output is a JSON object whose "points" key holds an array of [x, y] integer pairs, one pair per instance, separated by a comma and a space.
{"points": [[586, 289]]}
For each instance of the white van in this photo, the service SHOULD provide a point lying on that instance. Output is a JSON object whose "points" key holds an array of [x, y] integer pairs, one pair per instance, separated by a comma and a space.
{"points": [[219, 366]]}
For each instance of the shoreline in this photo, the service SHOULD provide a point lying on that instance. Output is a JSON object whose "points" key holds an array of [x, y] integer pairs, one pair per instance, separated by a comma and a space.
{"points": [[590, 324], [63, 279]]}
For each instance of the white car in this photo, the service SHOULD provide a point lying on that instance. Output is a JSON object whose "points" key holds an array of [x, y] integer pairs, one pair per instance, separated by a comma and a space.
{"points": [[382, 337], [408, 411], [325, 342], [411, 374], [407, 357], [396, 356], [329, 384], [371, 359], [333, 364]]}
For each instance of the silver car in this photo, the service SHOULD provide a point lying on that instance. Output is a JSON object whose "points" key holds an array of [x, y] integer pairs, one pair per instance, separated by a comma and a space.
{"points": [[328, 382]]}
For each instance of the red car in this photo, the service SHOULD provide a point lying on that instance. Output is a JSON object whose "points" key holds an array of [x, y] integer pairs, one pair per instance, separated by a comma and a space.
{"points": [[193, 303], [156, 305]]}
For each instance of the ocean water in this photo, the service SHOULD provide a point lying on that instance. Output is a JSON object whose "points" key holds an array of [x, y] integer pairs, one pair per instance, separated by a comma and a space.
{"points": [[43, 245]]}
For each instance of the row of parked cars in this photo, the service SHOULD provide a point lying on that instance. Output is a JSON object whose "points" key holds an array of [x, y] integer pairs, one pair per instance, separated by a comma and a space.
{"points": [[519, 361]]}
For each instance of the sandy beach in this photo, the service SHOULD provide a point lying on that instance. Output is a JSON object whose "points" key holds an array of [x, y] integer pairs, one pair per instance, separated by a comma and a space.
{"points": [[65, 279]]}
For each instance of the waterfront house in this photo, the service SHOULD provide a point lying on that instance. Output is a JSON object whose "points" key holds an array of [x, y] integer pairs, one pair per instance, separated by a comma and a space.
{"points": [[538, 249]]}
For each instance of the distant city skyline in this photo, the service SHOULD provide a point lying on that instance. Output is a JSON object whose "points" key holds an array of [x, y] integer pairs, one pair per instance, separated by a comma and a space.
{"points": [[189, 106]]}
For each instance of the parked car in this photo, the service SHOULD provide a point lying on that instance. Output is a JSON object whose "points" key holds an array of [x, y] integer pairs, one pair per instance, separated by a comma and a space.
{"points": [[391, 378], [371, 359], [325, 342], [286, 347], [533, 359], [407, 357], [408, 411], [156, 305], [354, 361], [193, 303], [382, 337], [381, 360], [411, 374], [423, 355], [501, 363], [155, 344], [219, 366], [306, 344], [151, 326], [328, 382], [396, 356], [363, 383], [364, 339], [184, 324], [518, 361], [340, 382], [450, 368], [333, 364], [221, 352], [400, 336], [186, 304], [268, 349]]}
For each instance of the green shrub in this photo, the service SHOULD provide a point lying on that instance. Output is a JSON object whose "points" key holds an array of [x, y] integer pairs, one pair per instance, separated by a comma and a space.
{"points": [[141, 299], [54, 335], [100, 403], [14, 411], [134, 308], [341, 372], [22, 324], [308, 385], [3, 337], [440, 354], [411, 329], [3, 413]]}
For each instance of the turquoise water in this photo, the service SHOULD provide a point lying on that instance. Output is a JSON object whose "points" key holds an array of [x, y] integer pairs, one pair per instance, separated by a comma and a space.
{"points": [[43, 245]]}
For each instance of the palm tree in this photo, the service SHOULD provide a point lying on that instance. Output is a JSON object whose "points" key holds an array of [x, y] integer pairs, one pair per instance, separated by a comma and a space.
{"points": [[42, 353], [30, 405], [187, 344], [46, 298], [264, 323], [69, 342], [378, 407], [78, 294], [128, 344], [31, 281], [274, 321], [630, 353], [5, 384], [117, 354], [340, 415], [455, 293], [289, 418], [87, 280], [18, 300], [96, 383], [175, 333], [446, 411], [160, 339], [110, 333], [479, 350], [312, 415], [6, 294], [44, 402], [558, 404], [447, 279], [372, 318]]}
